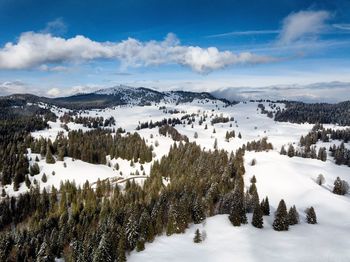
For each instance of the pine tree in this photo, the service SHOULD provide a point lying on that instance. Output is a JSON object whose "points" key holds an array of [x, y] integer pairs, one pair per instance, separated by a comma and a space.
{"points": [[341, 187], [121, 249], [291, 151], [238, 211], [44, 178], [140, 245], [34, 169], [27, 181], [320, 179], [197, 236], [311, 216], [198, 214], [293, 216], [283, 151], [257, 220], [104, 252], [281, 218], [49, 157], [266, 207]]}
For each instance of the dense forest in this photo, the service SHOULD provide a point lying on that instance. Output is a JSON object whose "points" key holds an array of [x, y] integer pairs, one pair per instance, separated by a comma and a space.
{"points": [[298, 112]]}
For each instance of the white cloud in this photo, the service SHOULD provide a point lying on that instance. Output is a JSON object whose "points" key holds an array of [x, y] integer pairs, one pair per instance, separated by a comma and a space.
{"points": [[39, 49], [246, 33], [12, 87], [303, 24], [55, 27], [53, 92], [342, 26]]}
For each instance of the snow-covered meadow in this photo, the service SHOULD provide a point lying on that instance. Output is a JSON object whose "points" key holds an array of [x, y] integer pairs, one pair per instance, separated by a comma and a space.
{"points": [[278, 177]]}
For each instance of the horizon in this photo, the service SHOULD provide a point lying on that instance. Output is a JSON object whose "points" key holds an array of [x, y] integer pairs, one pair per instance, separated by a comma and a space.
{"points": [[243, 50]]}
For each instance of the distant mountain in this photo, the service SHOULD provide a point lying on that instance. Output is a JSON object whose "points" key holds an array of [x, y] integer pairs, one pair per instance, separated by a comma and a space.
{"points": [[114, 96]]}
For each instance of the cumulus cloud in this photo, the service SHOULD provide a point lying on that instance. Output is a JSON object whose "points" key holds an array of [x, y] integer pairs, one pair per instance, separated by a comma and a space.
{"points": [[303, 24], [39, 49]]}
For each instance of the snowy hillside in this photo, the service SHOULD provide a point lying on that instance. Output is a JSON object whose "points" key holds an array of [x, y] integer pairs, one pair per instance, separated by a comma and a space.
{"points": [[207, 123], [278, 177]]}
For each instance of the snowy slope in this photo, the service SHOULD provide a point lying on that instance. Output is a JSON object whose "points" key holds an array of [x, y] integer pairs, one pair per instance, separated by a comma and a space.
{"points": [[278, 177]]}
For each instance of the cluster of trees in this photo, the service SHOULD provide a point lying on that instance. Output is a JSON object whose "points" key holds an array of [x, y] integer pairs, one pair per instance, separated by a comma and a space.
{"points": [[93, 146], [221, 119], [318, 133], [91, 122], [151, 124], [341, 187], [298, 112], [230, 134], [284, 219], [259, 146], [103, 224], [305, 152], [15, 125], [175, 135], [341, 154]]}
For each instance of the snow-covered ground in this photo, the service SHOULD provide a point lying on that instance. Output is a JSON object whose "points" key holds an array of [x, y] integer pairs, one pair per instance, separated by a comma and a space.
{"points": [[278, 177]]}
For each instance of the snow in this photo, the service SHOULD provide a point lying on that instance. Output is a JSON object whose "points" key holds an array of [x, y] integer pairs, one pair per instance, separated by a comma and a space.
{"points": [[278, 177], [227, 243]]}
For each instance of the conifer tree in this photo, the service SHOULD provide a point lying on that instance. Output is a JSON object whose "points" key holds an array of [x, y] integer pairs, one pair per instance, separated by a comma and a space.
{"points": [[266, 207], [49, 157], [320, 179], [311, 216], [44, 178], [293, 216], [283, 151], [198, 214], [257, 220], [197, 236], [104, 250], [291, 151], [121, 249], [281, 217]]}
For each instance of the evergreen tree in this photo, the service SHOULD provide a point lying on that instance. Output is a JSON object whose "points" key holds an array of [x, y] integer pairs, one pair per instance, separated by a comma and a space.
{"points": [[197, 236], [44, 178], [291, 151], [121, 249], [265, 206], [257, 220], [320, 179], [49, 157], [104, 251], [311, 216], [341, 187], [293, 216], [198, 214], [281, 217], [34, 169]]}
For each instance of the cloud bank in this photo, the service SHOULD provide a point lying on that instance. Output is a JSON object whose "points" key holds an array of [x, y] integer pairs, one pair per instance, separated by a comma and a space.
{"points": [[39, 49]]}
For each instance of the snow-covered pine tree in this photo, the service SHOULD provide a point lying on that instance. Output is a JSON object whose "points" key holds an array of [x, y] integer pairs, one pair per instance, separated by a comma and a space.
{"points": [[311, 216], [281, 217]]}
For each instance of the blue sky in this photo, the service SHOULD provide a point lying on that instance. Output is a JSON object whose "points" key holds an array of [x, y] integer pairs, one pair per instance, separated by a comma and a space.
{"points": [[61, 47]]}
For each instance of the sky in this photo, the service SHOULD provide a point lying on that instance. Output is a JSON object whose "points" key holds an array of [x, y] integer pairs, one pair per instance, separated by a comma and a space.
{"points": [[239, 49]]}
